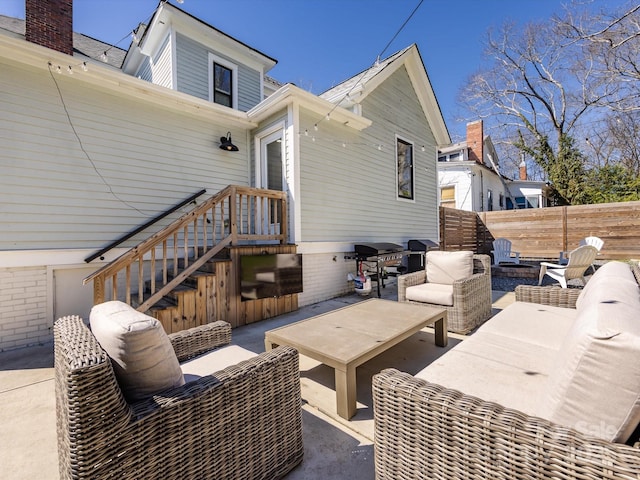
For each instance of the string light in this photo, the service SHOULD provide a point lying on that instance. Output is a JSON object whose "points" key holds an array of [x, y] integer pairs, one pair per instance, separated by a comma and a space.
{"points": [[84, 67], [70, 70], [104, 57]]}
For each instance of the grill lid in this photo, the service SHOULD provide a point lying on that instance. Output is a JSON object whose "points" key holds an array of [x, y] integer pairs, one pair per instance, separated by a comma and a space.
{"points": [[377, 248]]}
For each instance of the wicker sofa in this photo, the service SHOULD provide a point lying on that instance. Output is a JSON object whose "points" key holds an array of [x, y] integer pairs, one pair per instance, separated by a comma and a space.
{"points": [[465, 296], [242, 422], [548, 388]]}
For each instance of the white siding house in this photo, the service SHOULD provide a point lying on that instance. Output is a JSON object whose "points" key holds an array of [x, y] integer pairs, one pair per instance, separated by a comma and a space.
{"points": [[89, 157], [469, 177]]}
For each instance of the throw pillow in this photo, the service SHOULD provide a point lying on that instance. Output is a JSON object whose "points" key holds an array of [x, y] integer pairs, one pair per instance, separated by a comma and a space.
{"points": [[140, 350], [447, 267]]}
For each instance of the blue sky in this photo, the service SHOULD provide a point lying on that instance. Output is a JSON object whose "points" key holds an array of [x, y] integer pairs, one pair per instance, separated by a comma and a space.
{"points": [[319, 43]]}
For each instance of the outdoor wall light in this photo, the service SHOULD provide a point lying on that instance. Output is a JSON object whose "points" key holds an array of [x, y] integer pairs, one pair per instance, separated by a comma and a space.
{"points": [[226, 144]]}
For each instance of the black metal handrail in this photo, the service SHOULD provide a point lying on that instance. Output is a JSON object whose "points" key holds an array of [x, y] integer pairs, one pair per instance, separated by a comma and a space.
{"points": [[139, 229]]}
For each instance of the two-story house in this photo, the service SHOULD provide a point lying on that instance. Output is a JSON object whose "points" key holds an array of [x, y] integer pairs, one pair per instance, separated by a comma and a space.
{"points": [[97, 140], [469, 177]]}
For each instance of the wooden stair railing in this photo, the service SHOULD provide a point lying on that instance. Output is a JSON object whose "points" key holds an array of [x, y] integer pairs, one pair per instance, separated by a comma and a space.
{"points": [[164, 260]]}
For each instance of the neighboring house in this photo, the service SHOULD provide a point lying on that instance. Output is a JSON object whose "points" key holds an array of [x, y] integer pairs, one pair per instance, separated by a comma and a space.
{"points": [[469, 177], [94, 145]]}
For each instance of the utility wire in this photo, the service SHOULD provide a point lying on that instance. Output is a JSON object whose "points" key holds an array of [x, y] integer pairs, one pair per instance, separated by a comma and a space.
{"points": [[400, 29], [374, 63], [66, 111]]}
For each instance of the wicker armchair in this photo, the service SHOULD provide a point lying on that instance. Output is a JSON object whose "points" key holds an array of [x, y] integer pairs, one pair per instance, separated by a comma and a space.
{"points": [[471, 296], [243, 422]]}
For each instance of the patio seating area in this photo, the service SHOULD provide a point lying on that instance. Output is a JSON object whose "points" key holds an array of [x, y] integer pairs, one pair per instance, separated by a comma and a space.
{"points": [[333, 447]]}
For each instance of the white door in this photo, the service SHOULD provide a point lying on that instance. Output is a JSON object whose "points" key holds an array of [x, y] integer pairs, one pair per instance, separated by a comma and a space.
{"points": [[270, 175]]}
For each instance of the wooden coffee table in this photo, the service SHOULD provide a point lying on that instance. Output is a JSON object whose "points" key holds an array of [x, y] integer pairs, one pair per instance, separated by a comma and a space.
{"points": [[349, 336]]}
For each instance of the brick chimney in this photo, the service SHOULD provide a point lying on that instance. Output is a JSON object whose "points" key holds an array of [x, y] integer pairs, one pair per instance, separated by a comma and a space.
{"points": [[50, 23], [523, 170], [475, 141]]}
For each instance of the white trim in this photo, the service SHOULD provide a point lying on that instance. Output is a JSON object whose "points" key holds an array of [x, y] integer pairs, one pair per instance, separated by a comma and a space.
{"points": [[213, 58], [106, 78], [258, 137], [38, 258], [413, 169], [288, 94], [174, 59], [293, 113], [325, 247]]}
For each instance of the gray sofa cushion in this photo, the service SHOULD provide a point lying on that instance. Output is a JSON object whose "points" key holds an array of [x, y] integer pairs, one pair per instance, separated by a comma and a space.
{"points": [[214, 361]]}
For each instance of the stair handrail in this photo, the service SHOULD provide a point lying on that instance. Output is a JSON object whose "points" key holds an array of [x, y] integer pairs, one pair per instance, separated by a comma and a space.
{"points": [[143, 227]]}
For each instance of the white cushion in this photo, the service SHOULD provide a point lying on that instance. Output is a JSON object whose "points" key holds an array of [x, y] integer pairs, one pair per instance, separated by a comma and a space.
{"points": [[595, 387], [142, 356], [435, 293], [447, 267], [542, 325], [610, 276], [214, 361], [495, 369]]}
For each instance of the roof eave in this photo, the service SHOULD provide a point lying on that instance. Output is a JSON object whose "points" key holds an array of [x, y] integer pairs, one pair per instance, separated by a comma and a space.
{"points": [[289, 93], [107, 78]]}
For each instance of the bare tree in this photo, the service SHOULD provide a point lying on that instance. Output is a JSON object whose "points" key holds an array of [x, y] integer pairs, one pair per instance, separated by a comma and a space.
{"points": [[544, 86], [611, 43]]}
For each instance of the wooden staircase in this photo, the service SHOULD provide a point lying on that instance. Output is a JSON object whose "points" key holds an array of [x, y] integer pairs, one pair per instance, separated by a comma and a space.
{"points": [[184, 275]]}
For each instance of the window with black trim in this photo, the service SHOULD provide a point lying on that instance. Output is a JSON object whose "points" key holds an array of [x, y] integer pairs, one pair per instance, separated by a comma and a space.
{"points": [[222, 85], [404, 154]]}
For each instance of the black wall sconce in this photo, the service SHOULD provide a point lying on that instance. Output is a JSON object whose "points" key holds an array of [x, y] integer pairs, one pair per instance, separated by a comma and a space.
{"points": [[226, 144]]}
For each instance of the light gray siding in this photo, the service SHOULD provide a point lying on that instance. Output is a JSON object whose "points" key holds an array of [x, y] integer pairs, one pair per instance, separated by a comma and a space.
{"points": [[129, 161], [192, 67], [348, 193], [193, 73], [158, 69]]}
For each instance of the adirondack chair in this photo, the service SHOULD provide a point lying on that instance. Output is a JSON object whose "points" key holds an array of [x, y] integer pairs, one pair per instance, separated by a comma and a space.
{"points": [[579, 260], [595, 241], [502, 252]]}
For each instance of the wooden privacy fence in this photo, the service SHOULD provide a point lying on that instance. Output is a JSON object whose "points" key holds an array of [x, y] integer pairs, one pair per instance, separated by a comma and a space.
{"points": [[541, 233]]}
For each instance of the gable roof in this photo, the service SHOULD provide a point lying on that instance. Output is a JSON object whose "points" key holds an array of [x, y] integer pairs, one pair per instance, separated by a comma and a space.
{"points": [[83, 45], [357, 88]]}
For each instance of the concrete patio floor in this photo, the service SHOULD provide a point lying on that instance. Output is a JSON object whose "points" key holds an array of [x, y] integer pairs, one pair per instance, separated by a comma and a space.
{"points": [[334, 448]]}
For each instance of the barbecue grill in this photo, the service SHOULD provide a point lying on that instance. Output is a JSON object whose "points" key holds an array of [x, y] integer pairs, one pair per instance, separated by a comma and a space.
{"points": [[382, 254]]}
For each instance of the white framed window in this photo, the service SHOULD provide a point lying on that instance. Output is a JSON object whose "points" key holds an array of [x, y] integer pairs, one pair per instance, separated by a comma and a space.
{"points": [[223, 82], [405, 169]]}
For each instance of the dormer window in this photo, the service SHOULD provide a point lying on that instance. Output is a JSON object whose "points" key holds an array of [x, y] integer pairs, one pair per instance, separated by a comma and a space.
{"points": [[223, 82], [222, 78]]}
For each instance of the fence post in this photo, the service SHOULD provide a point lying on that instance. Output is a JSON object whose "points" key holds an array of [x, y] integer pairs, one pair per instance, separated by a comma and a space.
{"points": [[443, 237], [565, 241]]}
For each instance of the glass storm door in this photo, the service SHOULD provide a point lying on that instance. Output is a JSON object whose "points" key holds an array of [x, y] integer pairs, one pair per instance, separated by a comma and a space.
{"points": [[271, 177]]}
